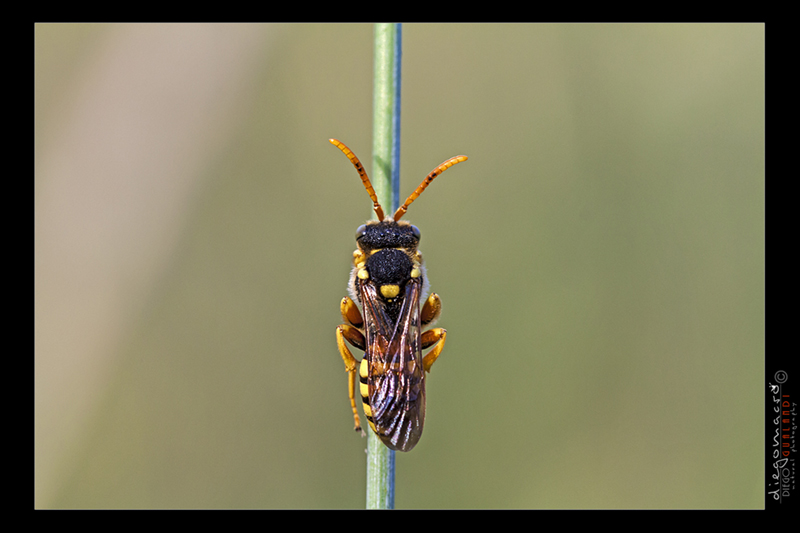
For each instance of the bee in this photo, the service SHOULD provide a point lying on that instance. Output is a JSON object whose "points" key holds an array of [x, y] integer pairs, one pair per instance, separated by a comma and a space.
{"points": [[390, 283]]}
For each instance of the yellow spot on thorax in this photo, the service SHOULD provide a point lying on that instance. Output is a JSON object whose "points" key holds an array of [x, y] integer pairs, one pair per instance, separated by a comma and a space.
{"points": [[390, 291]]}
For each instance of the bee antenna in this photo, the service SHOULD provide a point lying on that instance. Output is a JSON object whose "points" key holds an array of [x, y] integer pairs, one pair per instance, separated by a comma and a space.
{"points": [[363, 173], [428, 179]]}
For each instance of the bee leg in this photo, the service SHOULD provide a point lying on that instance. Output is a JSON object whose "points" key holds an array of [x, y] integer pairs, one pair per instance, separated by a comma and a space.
{"points": [[351, 391], [350, 313], [433, 337], [350, 365], [430, 310], [353, 336]]}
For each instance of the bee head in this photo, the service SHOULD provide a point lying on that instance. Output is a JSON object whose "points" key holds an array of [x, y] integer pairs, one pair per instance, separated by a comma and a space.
{"points": [[376, 235]]}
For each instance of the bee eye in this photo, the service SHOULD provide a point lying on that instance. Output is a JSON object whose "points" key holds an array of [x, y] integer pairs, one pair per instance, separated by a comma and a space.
{"points": [[415, 231], [362, 229]]}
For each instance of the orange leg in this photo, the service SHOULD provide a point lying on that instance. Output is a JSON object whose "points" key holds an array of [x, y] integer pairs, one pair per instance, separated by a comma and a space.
{"points": [[350, 313], [350, 365], [433, 337], [431, 310]]}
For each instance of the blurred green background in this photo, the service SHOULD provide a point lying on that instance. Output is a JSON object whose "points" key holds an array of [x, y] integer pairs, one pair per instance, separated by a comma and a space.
{"points": [[600, 258]]}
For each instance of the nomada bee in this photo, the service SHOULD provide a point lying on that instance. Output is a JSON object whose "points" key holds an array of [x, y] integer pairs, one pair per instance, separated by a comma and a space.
{"points": [[390, 284]]}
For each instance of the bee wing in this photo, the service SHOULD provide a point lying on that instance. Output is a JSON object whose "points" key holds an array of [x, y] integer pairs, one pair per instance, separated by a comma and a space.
{"points": [[396, 377]]}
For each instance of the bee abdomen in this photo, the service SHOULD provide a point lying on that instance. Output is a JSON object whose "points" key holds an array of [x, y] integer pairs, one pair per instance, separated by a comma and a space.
{"points": [[363, 378], [399, 405]]}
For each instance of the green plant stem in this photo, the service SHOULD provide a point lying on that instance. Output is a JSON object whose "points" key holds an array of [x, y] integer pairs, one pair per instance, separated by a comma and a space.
{"points": [[386, 116], [386, 181]]}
